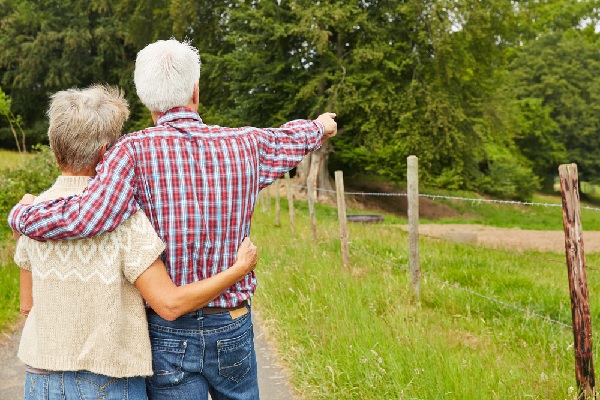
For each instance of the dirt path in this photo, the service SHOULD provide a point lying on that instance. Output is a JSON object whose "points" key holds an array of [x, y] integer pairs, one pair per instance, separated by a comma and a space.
{"points": [[514, 239]]}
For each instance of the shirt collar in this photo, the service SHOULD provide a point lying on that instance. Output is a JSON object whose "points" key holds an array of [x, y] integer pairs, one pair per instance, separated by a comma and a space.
{"points": [[177, 113]]}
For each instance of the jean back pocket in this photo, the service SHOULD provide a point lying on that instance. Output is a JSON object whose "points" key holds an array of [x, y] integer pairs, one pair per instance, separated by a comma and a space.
{"points": [[167, 361], [235, 356]]}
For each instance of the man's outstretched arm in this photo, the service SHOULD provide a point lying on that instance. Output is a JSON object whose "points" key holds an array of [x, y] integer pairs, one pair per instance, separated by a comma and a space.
{"points": [[281, 149], [107, 201]]}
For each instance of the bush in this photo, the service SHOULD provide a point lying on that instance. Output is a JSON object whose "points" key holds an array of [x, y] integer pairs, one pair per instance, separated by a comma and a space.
{"points": [[34, 176]]}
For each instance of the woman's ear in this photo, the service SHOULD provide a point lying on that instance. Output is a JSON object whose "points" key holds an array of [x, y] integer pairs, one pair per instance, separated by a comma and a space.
{"points": [[101, 152]]}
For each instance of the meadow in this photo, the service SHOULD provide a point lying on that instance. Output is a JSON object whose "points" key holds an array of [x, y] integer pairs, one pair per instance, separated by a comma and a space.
{"points": [[12, 159], [490, 324]]}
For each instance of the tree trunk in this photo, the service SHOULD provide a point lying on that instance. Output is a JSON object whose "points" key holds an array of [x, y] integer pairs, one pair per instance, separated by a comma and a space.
{"points": [[313, 170]]}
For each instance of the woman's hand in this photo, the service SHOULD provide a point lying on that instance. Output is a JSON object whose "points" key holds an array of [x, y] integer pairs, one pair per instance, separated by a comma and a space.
{"points": [[247, 255]]}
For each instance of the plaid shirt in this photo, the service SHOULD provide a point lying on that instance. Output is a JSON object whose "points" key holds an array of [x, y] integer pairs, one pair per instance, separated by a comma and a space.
{"points": [[196, 183]]}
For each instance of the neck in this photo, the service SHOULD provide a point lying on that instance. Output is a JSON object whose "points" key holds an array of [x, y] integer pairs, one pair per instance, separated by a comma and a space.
{"points": [[191, 105], [85, 172]]}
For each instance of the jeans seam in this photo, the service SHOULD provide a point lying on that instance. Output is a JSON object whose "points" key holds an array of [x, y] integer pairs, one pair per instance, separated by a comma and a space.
{"points": [[100, 388]]}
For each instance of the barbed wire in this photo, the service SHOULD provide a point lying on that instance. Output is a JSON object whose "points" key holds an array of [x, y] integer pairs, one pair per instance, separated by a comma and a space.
{"points": [[437, 196], [355, 193], [457, 286]]}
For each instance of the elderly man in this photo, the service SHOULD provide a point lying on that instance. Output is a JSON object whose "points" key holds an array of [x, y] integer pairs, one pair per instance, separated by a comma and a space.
{"points": [[197, 184]]}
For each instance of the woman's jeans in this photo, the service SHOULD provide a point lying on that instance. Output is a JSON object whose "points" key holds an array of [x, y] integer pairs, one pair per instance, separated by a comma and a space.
{"points": [[82, 385], [199, 354]]}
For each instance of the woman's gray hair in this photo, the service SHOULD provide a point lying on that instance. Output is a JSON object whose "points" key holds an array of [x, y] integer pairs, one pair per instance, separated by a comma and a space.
{"points": [[82, 121], [165, 74]]}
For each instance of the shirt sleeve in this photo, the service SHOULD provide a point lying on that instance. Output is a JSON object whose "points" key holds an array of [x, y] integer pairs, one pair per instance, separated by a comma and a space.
{"points": [[21, 257], [281, 149], [141, 246], [101, 207]]}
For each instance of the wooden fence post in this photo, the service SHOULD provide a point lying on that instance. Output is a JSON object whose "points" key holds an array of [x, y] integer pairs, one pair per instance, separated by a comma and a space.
{"points": [[580, 305], [277, 204], [412, 177], [268, 198], [341, 205], [311, 211], [290, 197], [263, 204]]}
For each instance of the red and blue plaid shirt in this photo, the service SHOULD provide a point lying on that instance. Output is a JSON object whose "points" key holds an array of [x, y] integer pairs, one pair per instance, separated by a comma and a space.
{"points": [[196, 183]]}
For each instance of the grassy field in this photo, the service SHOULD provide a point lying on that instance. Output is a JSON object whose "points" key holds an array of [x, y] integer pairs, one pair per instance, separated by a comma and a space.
{"points": [[362, 334], [11, 159]]}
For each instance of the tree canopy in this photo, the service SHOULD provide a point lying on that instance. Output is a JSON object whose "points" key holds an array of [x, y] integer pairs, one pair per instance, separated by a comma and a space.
{"points": [[491, 95]]}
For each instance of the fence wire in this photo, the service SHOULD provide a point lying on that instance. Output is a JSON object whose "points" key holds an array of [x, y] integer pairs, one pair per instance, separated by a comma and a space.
{"points": [[472, 292], [436, 196], [455, 285]]}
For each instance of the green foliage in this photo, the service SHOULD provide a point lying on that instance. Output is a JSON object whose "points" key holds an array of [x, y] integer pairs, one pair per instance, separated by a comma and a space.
{"points": [[35, 175], [562, 72], [537, 130], [46, 46], [451, 82]]}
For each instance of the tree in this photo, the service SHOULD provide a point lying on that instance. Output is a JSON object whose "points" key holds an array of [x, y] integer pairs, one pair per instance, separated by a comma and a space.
{"points": [[562, 70], [14, 122], [50, 45]]}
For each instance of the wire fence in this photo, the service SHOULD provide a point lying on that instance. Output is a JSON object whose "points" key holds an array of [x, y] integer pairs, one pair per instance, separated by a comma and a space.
{"points": [[443, 197], [453, 285]]}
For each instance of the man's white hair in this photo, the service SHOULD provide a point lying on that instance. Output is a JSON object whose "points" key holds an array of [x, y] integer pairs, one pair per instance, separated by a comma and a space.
{"points": [[165, 74]]}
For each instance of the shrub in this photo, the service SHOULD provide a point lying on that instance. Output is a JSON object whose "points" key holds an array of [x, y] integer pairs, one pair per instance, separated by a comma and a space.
{"points": [[34, 176]]}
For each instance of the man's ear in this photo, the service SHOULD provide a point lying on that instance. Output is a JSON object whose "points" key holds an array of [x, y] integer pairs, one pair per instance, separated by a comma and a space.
{"points": [[196, 95]]}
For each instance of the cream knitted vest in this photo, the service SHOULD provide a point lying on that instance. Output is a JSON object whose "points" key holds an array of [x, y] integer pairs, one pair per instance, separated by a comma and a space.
{"points": [[87, 314]]}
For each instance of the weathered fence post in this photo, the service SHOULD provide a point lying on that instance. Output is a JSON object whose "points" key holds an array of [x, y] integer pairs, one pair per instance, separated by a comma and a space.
{"points": [[580, 305], [341, 205], [269, 198], [412, 193], [277, 204], [311, 211], [290, 197]]}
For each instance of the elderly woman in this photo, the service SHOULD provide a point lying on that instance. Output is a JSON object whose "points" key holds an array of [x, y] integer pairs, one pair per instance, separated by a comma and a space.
{"points": [[86, 334]]}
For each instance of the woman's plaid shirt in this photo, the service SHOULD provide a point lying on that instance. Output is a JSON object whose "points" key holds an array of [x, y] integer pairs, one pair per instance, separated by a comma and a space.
{"points": [[196, 183]]}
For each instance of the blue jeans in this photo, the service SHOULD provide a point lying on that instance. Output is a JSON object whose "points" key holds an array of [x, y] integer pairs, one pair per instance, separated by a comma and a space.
{"points": [[202, 353], [82, 385]]}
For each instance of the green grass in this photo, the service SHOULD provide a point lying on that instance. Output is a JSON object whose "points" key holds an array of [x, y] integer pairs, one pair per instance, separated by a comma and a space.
{"points": [[363, 335], [11, 159], [9, 285]]}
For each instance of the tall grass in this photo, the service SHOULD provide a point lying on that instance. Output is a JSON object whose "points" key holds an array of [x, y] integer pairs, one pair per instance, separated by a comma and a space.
{"points": [[363, 335], [9, 284], [12, 159]]}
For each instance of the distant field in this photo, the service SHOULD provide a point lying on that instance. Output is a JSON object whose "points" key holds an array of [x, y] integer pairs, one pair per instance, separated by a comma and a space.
{"points": [[10, 159]]}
